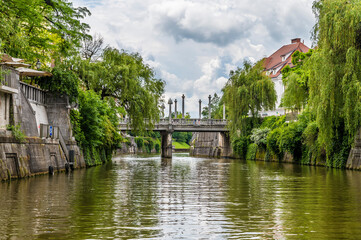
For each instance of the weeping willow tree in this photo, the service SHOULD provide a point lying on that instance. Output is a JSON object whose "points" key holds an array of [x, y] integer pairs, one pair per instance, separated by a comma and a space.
{"points": [[335, 70], [247, 92], [295, 81]]}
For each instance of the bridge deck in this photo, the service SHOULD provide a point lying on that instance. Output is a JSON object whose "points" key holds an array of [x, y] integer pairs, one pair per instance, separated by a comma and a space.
{"points": [[185, 125]]}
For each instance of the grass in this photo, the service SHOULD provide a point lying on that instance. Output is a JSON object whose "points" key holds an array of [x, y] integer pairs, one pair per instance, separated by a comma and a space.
{"points": [[180, 145]]}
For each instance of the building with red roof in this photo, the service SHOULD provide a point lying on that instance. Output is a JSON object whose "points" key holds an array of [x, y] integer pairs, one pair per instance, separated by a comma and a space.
{"points": [[273, 66]]}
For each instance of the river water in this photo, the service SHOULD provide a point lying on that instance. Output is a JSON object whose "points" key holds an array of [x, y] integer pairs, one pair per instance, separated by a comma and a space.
{"points": [[140, 197]]}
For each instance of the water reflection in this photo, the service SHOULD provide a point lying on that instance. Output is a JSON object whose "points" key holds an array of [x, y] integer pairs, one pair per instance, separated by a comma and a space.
{"points": [[185, 198]]}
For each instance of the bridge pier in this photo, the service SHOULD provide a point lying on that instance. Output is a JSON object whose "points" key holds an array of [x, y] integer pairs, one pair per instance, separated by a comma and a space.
{"points": [[167, 146]]}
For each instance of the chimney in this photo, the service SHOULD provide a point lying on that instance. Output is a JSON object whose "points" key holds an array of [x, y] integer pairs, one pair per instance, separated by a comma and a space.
{"points": [[296, 40]]}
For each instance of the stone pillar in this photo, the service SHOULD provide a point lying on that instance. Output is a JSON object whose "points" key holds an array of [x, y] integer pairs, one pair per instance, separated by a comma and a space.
{"points": [[170, 102], [166, 144], [200, 109], [183, 105], [226, 145], [175, 109], [163, 107], [209, 106], [224, 111]]}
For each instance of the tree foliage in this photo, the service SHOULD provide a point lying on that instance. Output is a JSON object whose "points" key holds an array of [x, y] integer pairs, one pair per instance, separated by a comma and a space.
{"points": [[216, 108], [335, 77], [43, 29], [95, 126], [247, 91], [295, 80], [126, 78]]}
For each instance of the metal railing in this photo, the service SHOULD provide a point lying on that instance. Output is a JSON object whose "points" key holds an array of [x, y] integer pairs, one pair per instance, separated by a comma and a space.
{"points": [[48, 131], [9, 77], [33, 93]]}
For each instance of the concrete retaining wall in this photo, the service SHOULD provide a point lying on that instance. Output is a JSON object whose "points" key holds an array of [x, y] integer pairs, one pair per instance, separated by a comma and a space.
{"points": [[18, 160], [208, 144]]}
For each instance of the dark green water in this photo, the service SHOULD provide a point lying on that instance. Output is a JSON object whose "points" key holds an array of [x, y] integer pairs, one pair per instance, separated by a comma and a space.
{"points": [[138, 197]]}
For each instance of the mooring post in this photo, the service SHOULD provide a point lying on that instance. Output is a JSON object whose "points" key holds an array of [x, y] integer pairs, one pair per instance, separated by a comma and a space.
{"points": [[209, 106], [200, 109], [170, 102], [183, 106]]}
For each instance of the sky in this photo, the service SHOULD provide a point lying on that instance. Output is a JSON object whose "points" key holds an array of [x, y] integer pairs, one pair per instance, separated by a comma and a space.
{"points": [[193, 44]]}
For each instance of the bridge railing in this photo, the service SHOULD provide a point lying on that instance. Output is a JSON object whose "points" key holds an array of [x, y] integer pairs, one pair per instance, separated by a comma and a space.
{"points": [[190, 121]]}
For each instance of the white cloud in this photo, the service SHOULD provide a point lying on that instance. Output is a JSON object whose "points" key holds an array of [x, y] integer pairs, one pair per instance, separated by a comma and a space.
{"points": [[193, 44]]}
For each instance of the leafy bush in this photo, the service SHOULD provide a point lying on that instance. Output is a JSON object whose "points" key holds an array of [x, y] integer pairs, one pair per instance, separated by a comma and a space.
{"points": [[251, 151], [149, 144], [259, 137], [240, 146], [63, 81], [273, 142], [17, 133], [273, 122], [99, 121], [291, 140], [157, 147], [139, 141]]}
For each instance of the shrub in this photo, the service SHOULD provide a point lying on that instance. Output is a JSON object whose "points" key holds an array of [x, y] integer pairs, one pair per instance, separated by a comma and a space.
{"points": [[273, 142], [251, 151], [259, 137], [240, 146], [17, 133], [157, 147], [139, 141], [291, 140], [273, 122]]}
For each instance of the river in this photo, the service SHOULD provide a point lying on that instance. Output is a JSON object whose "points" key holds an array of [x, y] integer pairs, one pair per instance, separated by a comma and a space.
{"points": [[140, 197]]}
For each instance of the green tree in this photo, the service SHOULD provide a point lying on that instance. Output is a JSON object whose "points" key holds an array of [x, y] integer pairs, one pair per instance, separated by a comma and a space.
{"points": [[216, 108], [247, 91], [43, 29], [95, 127], [335, 77], [126, 78], [295, 80]]}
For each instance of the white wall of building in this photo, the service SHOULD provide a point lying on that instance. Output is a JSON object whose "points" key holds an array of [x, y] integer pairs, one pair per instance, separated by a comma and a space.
{"points": [[280, 88]]}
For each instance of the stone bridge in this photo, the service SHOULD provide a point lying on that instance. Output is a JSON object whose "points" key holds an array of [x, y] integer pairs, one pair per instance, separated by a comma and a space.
{"points": [[166, 128]]}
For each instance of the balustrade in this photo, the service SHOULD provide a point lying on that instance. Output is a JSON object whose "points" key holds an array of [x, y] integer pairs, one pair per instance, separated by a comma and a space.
{"points": [[33, 93], [9, 77]]}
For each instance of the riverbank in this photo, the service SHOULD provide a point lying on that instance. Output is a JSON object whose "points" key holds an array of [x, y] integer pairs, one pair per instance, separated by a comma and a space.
{"points": [[35, 156]]}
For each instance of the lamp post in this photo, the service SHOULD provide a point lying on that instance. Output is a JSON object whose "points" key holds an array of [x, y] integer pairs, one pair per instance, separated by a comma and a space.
{"points": [[38, 64], [224, 111], [200, 109], [209, 106], [170, 102], [183, 105]]}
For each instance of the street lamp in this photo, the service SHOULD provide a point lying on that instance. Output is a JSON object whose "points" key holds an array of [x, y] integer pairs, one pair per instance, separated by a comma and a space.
{"points": [[38, 64]]}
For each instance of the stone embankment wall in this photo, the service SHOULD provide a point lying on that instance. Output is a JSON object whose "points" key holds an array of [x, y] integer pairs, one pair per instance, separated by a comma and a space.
{"points": [[132, 148], [210, 145], [354, 158], [33, 157]]}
